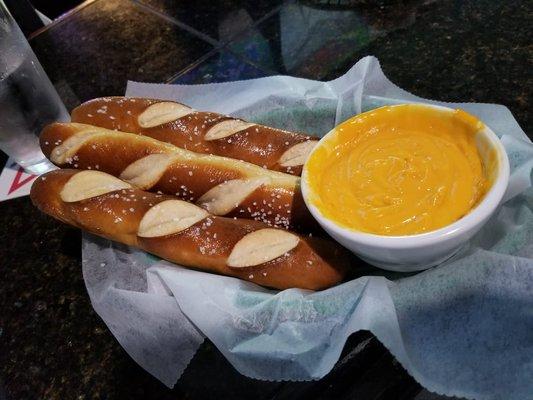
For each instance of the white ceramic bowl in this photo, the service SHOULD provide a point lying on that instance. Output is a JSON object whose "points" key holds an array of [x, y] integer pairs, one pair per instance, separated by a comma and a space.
{"points": [[421, 251]]}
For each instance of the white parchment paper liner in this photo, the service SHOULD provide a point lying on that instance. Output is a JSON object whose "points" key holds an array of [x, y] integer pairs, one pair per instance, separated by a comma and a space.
{"points": [[464, 328]]}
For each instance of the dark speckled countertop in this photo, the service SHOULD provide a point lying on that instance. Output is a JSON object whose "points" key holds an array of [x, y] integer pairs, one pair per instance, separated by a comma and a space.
{"points": [[52, 344]]}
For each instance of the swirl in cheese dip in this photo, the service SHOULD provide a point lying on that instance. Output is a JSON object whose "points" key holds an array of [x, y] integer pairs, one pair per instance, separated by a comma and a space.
{"points": [[398, 170]]}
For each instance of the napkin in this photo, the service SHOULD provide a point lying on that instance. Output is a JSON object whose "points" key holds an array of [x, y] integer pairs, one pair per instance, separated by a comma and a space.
{"points": [[464, 328]]}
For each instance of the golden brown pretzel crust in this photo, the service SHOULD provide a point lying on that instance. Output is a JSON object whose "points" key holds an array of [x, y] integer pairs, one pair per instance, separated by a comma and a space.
{"points": [[206, 245], [277, 202], [257, 144]]}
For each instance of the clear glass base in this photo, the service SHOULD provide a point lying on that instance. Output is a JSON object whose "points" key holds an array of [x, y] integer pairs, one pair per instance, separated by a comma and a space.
{"points": [[39, 168]]}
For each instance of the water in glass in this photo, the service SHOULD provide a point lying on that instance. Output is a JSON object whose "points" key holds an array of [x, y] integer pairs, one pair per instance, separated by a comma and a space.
{"points": [[28, 100]]}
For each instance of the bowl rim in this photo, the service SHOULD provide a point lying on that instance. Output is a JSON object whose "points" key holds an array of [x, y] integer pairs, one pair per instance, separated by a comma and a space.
{"points": [[479, 213]]}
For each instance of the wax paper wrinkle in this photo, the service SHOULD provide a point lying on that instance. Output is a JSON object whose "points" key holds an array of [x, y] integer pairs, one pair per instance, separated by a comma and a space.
{"points": [[462, 328]]}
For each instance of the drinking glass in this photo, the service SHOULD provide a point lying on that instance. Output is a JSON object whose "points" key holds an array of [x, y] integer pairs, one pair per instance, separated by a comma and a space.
{"points": [[28, 100]]}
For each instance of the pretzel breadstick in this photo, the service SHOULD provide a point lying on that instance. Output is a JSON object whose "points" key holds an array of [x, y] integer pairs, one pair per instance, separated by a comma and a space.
{"points": [[199, 131], [187, 234], [223, 186]]}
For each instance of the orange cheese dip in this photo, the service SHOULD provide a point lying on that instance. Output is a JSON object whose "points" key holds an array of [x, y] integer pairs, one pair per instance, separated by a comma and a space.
{"points": [[398, 170]]}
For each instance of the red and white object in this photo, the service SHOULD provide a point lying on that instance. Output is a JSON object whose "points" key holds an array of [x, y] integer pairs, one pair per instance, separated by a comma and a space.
{"points": [[14, 182]]}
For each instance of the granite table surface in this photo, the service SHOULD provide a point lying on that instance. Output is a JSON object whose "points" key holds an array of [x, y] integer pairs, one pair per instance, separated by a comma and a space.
{"points": [[52, 343]]}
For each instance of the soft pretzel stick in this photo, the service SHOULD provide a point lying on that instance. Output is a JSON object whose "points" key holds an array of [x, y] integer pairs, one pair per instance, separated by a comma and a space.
{"points": [[221, 185], [187, 234], [199, 131]]}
